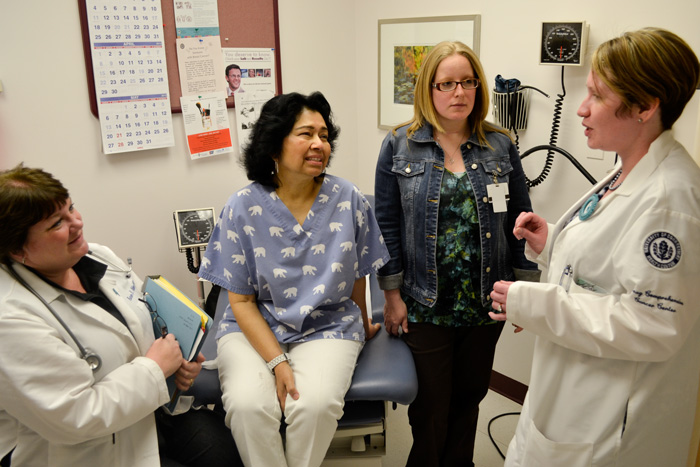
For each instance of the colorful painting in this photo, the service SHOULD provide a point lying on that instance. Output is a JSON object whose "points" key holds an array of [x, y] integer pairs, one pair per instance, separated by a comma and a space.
{"points": [[407, 62]]}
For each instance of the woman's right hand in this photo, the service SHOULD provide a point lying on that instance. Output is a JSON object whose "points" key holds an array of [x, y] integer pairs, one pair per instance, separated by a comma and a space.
{"points": [[285, 383], [395, 313], [533, 229], [166, 352]]}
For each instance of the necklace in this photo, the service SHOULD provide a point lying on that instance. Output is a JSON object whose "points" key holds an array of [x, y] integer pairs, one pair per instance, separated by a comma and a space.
{"points": [[452, 157], [612, 182], [591, 203]]}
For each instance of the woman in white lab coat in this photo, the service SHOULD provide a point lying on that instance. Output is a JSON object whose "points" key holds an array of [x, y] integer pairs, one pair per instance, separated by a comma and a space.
{"points": [[64, 407], [617, 356]]}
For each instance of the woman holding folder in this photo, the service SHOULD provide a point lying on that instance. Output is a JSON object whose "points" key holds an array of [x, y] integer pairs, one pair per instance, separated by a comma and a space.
{"points": [[81, 370]]}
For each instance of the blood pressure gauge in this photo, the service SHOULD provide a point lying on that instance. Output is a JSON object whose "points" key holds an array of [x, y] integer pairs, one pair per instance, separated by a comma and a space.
{"points": [[194, 227], [563, 43]]}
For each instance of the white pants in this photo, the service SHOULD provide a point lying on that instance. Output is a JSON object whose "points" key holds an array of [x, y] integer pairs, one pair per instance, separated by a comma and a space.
{"points": [[323, 371]]}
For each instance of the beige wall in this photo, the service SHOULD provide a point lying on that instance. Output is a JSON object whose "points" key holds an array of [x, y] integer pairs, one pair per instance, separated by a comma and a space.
{"points": [[127, 200]]}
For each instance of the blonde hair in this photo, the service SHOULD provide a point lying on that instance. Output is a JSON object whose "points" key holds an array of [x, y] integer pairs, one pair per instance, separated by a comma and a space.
{"points": [[647, 64], [423, 108]]}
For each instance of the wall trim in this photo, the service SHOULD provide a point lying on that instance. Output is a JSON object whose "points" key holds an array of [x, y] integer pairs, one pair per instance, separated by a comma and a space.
{"points": [[508, 387]]}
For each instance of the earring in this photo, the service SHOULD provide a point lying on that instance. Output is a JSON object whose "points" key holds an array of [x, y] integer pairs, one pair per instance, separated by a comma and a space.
{"points": [[640, 120], [24, 259]]}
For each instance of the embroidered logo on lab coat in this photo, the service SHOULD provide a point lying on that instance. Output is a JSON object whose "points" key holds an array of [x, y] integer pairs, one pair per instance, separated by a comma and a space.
{"points": [[662, 250]]}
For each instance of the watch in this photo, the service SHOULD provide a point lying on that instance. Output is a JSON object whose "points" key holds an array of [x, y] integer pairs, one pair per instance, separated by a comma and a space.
{"points": [[283, 357]]}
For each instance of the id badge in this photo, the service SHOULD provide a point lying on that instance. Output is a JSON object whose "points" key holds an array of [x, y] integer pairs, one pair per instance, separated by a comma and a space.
{"points": [[498, 195]]}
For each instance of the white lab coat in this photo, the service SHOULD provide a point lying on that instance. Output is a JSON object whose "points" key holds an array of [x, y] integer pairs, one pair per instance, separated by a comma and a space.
{"points": [[66, 415], [615, 372]]}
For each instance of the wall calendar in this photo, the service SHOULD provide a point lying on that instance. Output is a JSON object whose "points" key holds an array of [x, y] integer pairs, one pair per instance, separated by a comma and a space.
{"points": [[131, 75]]}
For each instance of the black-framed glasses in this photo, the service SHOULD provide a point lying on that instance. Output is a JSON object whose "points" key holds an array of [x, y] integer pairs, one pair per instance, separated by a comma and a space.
{"points": [[447, 86], [159, 326]]}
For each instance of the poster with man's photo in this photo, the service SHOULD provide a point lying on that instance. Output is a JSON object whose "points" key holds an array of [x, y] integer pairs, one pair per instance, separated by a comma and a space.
{"points": [[250, 82]]}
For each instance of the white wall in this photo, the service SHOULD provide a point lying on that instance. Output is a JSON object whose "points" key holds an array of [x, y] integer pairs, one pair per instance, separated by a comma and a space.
{"points": [[127, 200]]}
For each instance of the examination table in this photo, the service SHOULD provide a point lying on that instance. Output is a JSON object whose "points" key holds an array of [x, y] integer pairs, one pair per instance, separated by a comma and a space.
{"points": [[385, 375]]}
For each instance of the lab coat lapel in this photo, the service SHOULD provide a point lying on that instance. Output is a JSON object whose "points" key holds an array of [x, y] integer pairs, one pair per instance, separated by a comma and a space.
{"points": [[658, 151], [46, 291], [135, 324], [63, 303], [564, 219]]}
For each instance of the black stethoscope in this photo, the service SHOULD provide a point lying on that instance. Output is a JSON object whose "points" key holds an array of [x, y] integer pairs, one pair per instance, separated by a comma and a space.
{"points": [[91, 358]]}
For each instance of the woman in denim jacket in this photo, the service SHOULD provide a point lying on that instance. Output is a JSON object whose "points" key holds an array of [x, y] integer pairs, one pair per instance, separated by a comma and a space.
{"points": [[448, 188]]}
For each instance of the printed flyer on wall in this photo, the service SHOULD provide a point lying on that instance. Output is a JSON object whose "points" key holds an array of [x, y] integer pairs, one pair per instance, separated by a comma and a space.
{"points": [[206, 124], [250, 77], [196, 18], [249, 70]]}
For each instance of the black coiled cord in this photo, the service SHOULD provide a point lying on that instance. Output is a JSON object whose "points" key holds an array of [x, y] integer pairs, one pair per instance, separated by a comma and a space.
{"points": [[552, 137], [512, 106], [190, 261]]}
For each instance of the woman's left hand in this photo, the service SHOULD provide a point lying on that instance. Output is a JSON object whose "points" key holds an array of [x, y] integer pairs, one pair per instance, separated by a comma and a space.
{"points": [[499, 295], [185, 376]]}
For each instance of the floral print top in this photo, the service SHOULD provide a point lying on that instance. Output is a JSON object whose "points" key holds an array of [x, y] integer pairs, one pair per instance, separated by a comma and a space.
{"points": [[458, 260]]}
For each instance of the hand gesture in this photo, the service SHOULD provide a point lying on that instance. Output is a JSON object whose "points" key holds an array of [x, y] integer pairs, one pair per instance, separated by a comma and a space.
{"points": [[533, 229], [499, 295]]}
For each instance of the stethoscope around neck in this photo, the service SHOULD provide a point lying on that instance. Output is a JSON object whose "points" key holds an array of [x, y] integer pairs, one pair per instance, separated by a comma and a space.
{"points": [[91, 358]]}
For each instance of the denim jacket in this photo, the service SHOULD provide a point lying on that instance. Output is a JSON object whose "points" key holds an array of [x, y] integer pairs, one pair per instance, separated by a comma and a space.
{"points": [[407, 196]]}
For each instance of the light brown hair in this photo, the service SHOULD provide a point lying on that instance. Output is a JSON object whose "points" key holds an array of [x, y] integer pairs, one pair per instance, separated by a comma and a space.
{"points": [[423, 108], [647, 64]]}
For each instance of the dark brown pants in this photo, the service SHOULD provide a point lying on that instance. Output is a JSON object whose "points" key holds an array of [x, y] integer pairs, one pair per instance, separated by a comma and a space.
{"points": [[454, 370]]}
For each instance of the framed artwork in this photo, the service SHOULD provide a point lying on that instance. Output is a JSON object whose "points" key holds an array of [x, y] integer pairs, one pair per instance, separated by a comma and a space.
{"points": [[403, 44]]}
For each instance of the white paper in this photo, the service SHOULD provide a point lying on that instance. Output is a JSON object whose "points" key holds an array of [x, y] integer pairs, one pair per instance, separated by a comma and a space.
{"points": [[257, 67], [196, 18], [206, 124], [200, 65]]}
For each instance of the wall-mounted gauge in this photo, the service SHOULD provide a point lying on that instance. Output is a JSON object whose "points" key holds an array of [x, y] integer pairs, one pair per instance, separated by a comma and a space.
{"points": [[563, 43], [194, 227]]}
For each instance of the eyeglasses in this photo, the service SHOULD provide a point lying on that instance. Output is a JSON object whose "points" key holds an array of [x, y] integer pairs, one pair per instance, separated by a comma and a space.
{"points": [[159, 325], [447, 86]]}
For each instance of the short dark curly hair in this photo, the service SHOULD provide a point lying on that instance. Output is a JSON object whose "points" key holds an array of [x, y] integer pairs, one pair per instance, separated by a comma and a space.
{"points": [[27, 196], [276, 121]]}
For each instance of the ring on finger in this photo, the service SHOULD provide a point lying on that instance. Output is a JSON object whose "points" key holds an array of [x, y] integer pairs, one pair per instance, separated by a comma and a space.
{"points": [[500, 308]]}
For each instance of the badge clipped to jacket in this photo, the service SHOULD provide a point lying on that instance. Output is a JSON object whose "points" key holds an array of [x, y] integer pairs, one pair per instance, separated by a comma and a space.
{"points": [[498, 195]]}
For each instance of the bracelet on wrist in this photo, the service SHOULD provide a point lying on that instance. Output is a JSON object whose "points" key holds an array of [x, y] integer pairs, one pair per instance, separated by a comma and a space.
{"points": [[283, 357]]}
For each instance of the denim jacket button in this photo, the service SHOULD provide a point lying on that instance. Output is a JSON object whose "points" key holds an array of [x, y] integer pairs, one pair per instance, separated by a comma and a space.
{"points": [[488, 234], [485, 200], [474, 166], [488, 269], [407, 170], [469, 146]]}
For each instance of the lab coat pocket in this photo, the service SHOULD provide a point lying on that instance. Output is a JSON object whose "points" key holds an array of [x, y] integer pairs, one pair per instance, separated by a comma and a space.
{"points": [[101, 450], [541, 451], [579, 287], [589, 286]]}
